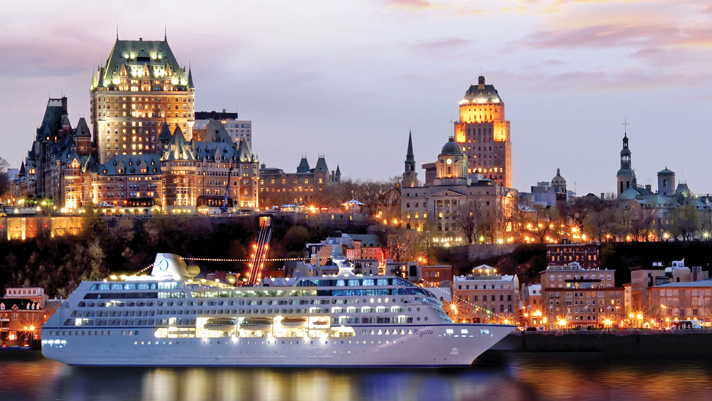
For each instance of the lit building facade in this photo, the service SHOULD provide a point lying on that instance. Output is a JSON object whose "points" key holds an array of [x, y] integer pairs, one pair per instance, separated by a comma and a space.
{"points": [[532, 308], [574, 296], [483, 132], [681, 301], [140, 88], [305, 187], [586, 255], [435, 207], [209, 173], [485, 295]]}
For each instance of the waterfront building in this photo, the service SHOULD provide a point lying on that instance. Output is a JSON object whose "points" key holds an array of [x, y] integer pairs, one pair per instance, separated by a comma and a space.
{"points": [[238, 130], [140, 88], [483, 133], [23, 311], [485, 295], [455, 200], [587, 255], [533, 310], [307, 187], [642, 280], [574, 296], [681, 301]]}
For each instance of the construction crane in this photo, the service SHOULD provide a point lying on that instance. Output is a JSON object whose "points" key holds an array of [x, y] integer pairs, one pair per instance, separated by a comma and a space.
{"points": [[260, 250]]}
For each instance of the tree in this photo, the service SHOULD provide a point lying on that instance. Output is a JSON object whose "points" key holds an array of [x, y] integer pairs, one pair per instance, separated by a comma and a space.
{"points": [[684, 222], [600, 219], [576, 210], [539, 221], [641, 221], [468, 216]]}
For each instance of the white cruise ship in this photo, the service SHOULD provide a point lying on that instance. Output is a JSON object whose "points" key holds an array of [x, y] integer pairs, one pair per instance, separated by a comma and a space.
{"points": [[344, 320]]}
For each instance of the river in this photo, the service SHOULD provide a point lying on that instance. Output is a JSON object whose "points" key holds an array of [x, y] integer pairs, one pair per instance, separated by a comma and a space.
{"points": [[27, 376]]}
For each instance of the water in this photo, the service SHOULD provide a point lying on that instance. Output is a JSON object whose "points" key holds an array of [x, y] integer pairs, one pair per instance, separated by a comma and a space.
{"points": [[517, 376]]}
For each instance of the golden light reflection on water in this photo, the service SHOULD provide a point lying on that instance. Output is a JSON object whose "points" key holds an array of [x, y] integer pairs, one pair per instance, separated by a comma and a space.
{"points": [[522, 377]]}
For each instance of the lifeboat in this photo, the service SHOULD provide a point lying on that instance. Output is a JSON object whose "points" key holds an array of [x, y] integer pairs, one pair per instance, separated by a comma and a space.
{"points": [[219, 324], [294, 322], [255, 323], [320, 324]]}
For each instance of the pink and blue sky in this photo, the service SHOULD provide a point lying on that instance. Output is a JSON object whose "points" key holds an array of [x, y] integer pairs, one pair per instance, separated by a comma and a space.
{"points": [[349, 79]]}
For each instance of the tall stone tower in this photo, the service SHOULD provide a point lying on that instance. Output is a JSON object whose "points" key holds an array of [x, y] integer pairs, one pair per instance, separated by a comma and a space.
{"points": [[626, 175], [140, 88], [410, 177], [666, 182], [483, 133]]}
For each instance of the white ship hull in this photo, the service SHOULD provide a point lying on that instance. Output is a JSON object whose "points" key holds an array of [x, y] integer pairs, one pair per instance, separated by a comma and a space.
{"points": [[428, 346], [345, 320]]}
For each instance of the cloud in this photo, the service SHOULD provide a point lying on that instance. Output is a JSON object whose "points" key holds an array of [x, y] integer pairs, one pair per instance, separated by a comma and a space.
{"points": [[411, 4], [424, 5], [607, 36], [600, 36], [442, 46], [628, 79]]}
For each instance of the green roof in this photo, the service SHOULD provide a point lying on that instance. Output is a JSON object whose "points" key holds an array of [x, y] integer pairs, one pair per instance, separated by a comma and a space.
{"points": [[137, 57]]}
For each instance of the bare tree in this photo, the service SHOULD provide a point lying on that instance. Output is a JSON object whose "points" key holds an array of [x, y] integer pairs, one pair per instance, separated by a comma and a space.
{"points": [[540, 221], [684, 222], [468, 216]]}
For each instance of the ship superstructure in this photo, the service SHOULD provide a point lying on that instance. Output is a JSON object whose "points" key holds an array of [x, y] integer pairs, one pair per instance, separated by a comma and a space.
{"points": [[171, 319]]}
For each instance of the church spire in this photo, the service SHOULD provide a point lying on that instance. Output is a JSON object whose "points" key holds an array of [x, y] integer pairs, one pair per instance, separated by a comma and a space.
{"points": [[410, 177]]}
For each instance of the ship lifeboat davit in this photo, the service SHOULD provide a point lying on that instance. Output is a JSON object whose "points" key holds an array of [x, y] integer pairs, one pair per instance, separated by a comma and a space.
{"points": [[219, 324], [294, 322], [255, 323]]}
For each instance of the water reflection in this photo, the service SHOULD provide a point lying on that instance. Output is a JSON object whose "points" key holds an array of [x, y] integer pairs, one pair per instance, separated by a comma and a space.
{"points": [[522, 377]]}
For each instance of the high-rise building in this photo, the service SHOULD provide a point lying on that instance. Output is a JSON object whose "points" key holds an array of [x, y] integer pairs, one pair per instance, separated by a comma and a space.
{"points": [[483, 133], [140, 88]]}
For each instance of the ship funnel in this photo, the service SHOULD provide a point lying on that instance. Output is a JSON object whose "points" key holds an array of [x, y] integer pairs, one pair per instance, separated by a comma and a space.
{"points": [[168, 265]]}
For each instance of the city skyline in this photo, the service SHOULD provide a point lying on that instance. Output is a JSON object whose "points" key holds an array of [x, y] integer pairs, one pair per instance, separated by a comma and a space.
{"points": [[349, 81]]}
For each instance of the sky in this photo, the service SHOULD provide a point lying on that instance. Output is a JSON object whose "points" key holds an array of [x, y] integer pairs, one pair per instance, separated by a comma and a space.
{"points": [[349, 79]]}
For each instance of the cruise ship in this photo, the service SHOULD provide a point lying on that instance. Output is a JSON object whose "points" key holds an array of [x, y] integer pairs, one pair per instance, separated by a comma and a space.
{"points": [[344, 320]]}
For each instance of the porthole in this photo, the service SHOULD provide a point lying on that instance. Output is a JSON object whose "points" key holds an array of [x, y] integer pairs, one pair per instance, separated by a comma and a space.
{"points": [[418, 309], [418, 318]]}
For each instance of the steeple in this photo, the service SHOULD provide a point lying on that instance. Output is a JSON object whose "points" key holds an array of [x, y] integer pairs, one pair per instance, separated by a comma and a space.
{"points": [[410, 177], [625, 176]]}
